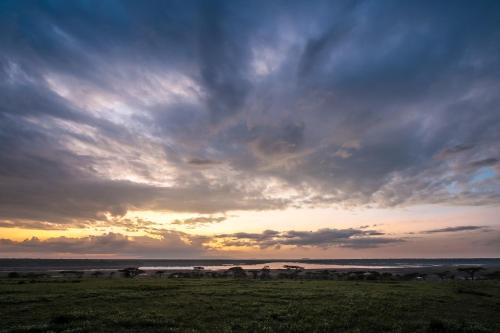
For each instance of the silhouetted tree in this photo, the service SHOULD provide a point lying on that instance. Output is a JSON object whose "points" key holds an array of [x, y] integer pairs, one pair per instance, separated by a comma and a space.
{"points": [[159, 273], [410, 276], [322, 275], [131, 272], [174, 275], [196, 274], [237, 272], [13, 275], [214, 274], [444, 275], [356, 275], [291, 267], [372, 275], [32, 275], [292, 272], [76, 274], [265, 273], [470, 271], [493, 275], [97, 274]]}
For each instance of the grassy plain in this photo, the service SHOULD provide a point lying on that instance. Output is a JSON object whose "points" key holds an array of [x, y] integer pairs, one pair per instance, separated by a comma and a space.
{"points": [[231, 305]]}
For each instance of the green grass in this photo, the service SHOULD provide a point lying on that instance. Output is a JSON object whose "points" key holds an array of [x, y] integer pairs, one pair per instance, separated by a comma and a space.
{"points": [[223, 305]]}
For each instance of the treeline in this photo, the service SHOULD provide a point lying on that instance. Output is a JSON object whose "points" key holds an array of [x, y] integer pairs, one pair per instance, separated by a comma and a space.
{"points": [[289, 272], [294, 272]]}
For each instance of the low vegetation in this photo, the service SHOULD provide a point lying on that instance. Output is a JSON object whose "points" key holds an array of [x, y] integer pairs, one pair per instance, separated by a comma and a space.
{"points": [[152, 304]]}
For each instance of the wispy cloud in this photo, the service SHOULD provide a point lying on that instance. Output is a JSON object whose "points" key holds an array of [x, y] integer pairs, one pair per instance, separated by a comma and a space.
{"points": [[456, 229], [200, 220]]}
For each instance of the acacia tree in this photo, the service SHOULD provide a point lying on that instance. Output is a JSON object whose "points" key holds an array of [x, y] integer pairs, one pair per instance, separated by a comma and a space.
{"points": [[471, 271], [159, 273], [97, 274], [265, 273], [292, 272], [237, 272], [444, 275], [74, 274], [131, 272], [493, 275]]}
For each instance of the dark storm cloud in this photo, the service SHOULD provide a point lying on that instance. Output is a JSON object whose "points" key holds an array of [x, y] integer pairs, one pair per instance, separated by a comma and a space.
{"points": [[77, 201], [455, 150], [223, 59], [456, 229], [349, 238], [485, 162], [369, 242], [279, 140], [215, 106]]}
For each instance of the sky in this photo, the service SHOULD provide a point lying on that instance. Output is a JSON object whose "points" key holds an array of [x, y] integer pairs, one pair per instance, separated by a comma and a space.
{"points": [[249, 129]]}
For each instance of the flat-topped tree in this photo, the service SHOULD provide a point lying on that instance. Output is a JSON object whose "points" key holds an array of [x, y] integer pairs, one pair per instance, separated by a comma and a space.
{"points": [[471, 271], [97, 274], [74, 274], [131, 272], [265, 272], [292, 267], [292, 271], [493, 275], [159, 273], [444, 275], [237, 272]]}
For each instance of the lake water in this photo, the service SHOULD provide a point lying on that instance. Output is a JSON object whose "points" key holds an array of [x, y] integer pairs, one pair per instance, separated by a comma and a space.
{"points": [[271, 265], [217, 264]]}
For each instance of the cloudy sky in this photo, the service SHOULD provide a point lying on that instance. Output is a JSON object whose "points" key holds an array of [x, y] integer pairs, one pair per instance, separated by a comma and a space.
{"points": [[249, 129]]}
